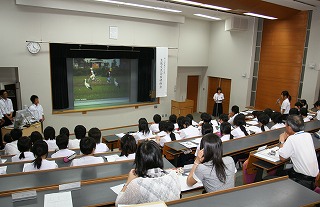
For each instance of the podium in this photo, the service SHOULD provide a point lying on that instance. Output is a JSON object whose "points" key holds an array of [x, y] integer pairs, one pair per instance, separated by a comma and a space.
{"points": [[182, 108], [26, 131]]}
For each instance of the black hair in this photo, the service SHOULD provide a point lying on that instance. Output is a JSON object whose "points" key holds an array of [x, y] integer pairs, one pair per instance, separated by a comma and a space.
{"points": [[235, 109], [219, 89], [180, 121], [264, 120], [304, 112], [225, 128], [87, 145], [35, 136], [169, 128], [256, 113], [128, 145], [39, 149], [62, 141], [240, 121], [156, 118], [316, 104], [295, 122], [24, 145], [173, 118], [7, 138], [65, 131], [2, 92], [294, 111], [268, 111], [33, 98], [143, 126], [206, 118], [286, 94], [304, 103], [148, 156], [276, 117], [187, 122], [206, 128], [16, 134], [224, 117], [162, 126], [213, 151], [80, 131], [49, 133], [298, 104], [202, 115], [95, 133], [189, 116]]}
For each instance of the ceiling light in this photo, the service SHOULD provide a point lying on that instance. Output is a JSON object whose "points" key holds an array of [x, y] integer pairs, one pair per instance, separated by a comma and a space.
{"points": [[260, 15], [201, 5], [206, 16], [139, 5]]}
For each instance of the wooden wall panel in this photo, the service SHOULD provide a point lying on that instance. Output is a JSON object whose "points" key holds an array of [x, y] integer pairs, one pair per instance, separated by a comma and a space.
{"points": [[213, 84], [192, 90], [281, 57]]}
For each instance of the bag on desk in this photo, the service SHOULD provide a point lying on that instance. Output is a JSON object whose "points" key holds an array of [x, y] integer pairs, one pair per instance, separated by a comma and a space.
{"points": [[69, 158]]}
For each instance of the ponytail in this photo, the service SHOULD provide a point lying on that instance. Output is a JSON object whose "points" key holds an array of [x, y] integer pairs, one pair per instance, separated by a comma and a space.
{"points": [[231, 136], [37, 162], [289, 98], [39, 149], [172, 136], [22, 156], [244, 130], [262, 128]]}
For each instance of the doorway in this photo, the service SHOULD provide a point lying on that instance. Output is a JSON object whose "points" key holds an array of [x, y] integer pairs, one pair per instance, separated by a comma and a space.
{"points": [[213, 84], [192, 90]]}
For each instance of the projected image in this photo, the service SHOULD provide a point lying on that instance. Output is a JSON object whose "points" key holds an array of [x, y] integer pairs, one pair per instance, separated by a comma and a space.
{"points": [[102, 81]]}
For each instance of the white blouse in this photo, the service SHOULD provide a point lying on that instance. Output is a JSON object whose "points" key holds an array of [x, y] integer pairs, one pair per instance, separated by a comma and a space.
{"points": [[45, 165]]}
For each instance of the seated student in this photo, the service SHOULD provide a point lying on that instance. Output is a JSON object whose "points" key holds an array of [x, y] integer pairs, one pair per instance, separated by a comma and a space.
{"points": [[268, 111], [234, 112], [304, 114], [223, 118], [263, 120], [35, 136], [87, 148], [49, 135], [255, 115], [298, 105], [95, 133], [7, 138], [128, 148], [162, 128], [62, 142], [40, 151], [317, 106], [173, 119], [205, 129], [225, 130], [170, 135], [294, 111], [80, 132], [210, 168], [205, 118], [24, 146], [240, 130], [304, 103], [149, 182], [65, 131], [189, 130], [277, 120], [193, 122], [12, 147], [180, 121], [154, 128], [144, 131]]}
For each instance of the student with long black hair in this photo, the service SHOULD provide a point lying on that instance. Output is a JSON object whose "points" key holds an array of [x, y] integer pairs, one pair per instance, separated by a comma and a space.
{"points": [[276, 118], [49, 135], [213, 170], [144, 131], [24, 146], [170, 135], [263, 120], [40, 152], [240, 130], [128, 148]]}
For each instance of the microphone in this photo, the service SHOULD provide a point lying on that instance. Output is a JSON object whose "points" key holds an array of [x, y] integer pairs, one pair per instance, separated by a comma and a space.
{"points": [[69, 158], [278, 101]]}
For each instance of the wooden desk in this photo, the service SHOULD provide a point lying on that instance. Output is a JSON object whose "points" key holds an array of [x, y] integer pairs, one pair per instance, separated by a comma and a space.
{"points": [[276, 192], [112, 141], [26, 131]]}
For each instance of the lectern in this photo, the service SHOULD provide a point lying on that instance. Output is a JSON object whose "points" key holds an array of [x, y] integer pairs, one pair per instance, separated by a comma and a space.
{"points": [[182, 108]]}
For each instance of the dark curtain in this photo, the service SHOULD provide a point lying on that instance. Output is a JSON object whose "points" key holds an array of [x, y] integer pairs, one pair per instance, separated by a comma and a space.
{"points": [[145, 74]]}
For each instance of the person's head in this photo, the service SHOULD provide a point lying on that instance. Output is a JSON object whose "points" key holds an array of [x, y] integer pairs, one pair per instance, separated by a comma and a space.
{"points": [[206, 118], [276, 117], [294, 111], [34, 99], [211, 145], [148, 156], [162, 126], [263, 120], [268, 111], [156, 118], [143, 126], [16, 134], [169, 128], [219, 90], [49, 133], [62, 141], [4, 94], [304, 103], [187, 122], [206, 128], [24, 145], [285, 94], [304, 112], [225, 128], [40, 151], [180, 121], [256, 113], [128, 145], [223, 118], [317, 105], [7, 138], [189, 116], [65, 131], [173, 118], [294, 123], [80, 131], [235, 109], [35, 136], [95, 133], [240, 121], [87, 145], [298, 105]]}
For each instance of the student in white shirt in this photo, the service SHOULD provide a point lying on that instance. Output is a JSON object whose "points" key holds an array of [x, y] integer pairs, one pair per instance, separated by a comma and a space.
{"points": [[36, 109], [154, 128], [65, 131], [240, 130], [87, 148], [7, 107], [263, 120], [62, 142], [162, 128], [189, 130], [24, 146], [49, 135], [277, 120], [95, 133], [170, 135], [128, 148], [304, 114], [218, 98], [79, 132], [195, 124], [173, 119], [268, 111], [304, 103], [35, 136], [294, 111], [40, 151], [285, 105], [317, 105], [12, 147], [225, 130], [144, 131], [234, 112]]}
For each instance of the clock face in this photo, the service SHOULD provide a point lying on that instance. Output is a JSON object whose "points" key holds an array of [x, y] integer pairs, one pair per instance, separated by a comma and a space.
{"points": [[33, 47]]}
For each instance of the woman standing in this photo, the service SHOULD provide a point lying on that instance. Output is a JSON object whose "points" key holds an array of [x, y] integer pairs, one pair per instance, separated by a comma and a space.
{"points": [[285, 106], [218, 97]]}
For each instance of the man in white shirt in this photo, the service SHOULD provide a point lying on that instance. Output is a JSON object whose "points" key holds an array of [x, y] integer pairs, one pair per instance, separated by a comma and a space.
{"points": [[36, 109], [298, 146], [12, 147], [6, 107]]}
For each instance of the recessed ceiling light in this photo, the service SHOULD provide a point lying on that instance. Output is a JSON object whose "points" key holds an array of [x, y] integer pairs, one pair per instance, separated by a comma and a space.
{"points": [[206, 16], [201, 5], [260, 15], [139, 5]]}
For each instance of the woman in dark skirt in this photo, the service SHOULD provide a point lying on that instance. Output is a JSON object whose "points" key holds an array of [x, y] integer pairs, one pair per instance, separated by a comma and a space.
{"points": [[218, 97]]}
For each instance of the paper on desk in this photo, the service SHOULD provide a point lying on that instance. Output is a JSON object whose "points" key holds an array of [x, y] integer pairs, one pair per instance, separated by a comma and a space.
{"points": [[3, 160], [3, 170], [117, 189], [265, 154], [111, 158], [58, 199], [252, 122], [188, 144], [120, 135], [184, 186]]}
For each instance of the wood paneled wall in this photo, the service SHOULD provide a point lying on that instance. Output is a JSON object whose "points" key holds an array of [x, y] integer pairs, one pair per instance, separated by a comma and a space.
{"points": [[281, 58]]}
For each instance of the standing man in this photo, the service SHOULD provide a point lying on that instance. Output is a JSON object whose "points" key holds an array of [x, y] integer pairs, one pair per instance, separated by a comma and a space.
{"points": [[298, 146], [36, 109], [7, 107]]}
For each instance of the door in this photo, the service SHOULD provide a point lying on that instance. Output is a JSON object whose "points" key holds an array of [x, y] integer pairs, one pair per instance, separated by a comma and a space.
{"points": [[12, 94], [192, 90], [213, 84]]}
